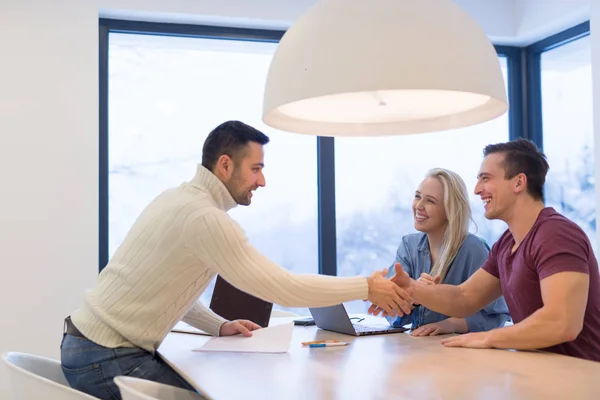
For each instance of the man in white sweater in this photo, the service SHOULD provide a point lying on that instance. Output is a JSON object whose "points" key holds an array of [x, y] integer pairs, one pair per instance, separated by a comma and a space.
{"points": [[180, 241]]}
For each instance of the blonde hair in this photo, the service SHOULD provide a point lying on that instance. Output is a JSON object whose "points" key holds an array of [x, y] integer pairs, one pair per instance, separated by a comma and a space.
{"points": [[458, 213]]}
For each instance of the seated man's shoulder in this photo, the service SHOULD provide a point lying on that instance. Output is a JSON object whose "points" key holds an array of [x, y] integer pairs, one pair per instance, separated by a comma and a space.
{"points": [[556, 234], [554, 224]]}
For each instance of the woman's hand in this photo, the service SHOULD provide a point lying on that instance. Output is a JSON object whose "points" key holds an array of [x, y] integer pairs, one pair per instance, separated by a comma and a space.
{"points": [[438, 328], [449, 325], [428, 279]]}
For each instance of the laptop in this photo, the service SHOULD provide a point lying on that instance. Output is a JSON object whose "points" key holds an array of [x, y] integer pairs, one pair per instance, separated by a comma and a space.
{"points": [[336, 319], [232, 303]]}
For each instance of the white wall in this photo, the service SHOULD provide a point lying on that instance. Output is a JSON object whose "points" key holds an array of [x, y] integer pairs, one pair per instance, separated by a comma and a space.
{"points": [[508, 22], [274, 14], [495, 16], [48, 168], [49, 144], [537, 19]]}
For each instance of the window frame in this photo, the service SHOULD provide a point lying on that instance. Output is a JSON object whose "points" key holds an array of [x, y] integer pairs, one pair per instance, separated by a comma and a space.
{"points": [[533, 64], [533, 84], [521, 96]]}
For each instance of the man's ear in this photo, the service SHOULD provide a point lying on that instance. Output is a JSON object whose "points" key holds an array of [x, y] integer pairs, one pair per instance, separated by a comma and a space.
{"points": [[520, 183], [224, 166]]}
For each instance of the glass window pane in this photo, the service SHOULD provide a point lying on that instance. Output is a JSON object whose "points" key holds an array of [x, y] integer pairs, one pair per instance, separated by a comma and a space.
{"points": [[568, 133], [375, 183], [166, 94]]}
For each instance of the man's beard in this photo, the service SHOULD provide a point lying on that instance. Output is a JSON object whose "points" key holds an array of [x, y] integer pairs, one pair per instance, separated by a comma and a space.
{"points": [[243, 199], [239, 195]]}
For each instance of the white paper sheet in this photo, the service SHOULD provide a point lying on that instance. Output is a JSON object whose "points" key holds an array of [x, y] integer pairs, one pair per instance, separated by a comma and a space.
{"points": [[274, 339]]}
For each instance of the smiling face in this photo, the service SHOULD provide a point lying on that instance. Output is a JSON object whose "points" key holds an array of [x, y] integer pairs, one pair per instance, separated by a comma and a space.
{"points": [[428, 207], [497, 193]]}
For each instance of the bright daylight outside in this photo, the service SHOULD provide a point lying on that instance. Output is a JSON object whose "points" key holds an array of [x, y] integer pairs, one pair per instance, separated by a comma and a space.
{"points": [[376, 179], [568, 133], [167, 93]]}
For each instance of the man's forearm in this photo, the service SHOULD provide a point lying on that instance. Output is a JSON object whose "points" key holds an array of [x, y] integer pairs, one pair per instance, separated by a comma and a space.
{"points": [[204, 318], [444, 299], [538, 331]]}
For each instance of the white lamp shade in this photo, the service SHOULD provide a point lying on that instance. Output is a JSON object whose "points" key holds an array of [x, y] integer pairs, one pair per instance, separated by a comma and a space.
{"points": [[383, 67]]}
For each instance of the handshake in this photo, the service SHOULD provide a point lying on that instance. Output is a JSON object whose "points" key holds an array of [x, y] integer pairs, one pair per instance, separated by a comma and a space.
{"points": [[393, 296]]}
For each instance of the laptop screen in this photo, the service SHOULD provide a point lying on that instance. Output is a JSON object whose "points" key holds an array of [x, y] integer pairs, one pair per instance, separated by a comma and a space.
{"points": [[232, 303]]}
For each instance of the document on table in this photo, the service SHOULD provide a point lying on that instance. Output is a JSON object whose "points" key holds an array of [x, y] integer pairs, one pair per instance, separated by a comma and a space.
{"points": [[274, 339]]}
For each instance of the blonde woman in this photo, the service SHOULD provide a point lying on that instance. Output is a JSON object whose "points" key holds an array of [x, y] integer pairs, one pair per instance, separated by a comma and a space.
{"points": [[444, 251]]}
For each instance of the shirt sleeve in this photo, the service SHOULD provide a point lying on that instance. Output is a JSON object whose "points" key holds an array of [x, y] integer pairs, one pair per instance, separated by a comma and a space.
{"points": [[490, 263], [205, 319], [220, 244], [560, 246], [495, 314], [403, 257]]}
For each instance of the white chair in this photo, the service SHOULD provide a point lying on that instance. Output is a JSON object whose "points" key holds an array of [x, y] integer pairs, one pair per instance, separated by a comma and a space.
{"points": [[141, 389], [34, 377]]}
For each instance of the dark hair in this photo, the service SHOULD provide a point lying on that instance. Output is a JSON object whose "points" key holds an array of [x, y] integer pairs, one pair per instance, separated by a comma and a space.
{"points": [[229, 138], [523, 156]]}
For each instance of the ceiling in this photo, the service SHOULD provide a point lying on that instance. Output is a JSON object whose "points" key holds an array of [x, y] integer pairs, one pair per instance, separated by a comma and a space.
{"points": [[508, 22]]}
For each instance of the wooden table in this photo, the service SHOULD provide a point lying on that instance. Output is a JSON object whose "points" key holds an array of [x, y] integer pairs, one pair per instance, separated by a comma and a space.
{"points": [[393, 366]]}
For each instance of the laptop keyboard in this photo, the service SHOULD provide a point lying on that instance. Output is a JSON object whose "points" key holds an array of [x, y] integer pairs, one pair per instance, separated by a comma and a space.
{"points": [[363, 328]]}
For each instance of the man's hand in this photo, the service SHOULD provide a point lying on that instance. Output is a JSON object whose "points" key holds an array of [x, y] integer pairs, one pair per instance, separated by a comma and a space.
{"points": [[238, 326], [387, 296], [437, 328], [475, 340], [403, 282]]}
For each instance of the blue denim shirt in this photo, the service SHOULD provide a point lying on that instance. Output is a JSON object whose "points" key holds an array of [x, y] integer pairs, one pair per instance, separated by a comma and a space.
{"points": [[414, 256]]}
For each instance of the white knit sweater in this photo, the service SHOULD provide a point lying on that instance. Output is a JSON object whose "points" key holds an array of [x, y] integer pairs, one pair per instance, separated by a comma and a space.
{"points": [[173, 250]]}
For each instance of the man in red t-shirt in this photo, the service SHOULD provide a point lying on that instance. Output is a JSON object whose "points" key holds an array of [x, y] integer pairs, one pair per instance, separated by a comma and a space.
{"points": [[543, 265]]}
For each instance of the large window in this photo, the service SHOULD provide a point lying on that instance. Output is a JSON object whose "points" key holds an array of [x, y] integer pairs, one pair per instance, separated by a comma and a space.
{"points": [[566, 76], [166, 92], [375, 183], [165, 95]]}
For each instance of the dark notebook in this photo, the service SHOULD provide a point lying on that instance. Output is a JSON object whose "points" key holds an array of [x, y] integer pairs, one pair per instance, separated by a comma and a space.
{"points": [[231, 303]]}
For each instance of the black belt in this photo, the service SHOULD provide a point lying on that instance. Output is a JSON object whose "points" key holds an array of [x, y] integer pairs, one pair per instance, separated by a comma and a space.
{"points": [[70, 329]]}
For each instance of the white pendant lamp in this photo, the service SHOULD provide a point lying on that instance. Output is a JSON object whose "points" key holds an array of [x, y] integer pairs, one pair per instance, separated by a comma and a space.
{"points": [[383, 67]]}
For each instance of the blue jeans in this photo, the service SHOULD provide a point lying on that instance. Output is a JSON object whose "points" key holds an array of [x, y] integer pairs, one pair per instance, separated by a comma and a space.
{"points": [[90, 368]]}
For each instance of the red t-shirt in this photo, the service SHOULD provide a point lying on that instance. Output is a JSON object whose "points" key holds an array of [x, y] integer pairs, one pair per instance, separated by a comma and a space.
{"points": [[554, 244]]}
